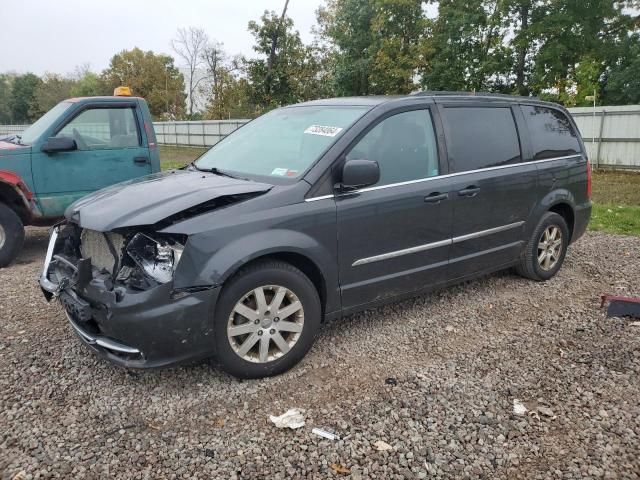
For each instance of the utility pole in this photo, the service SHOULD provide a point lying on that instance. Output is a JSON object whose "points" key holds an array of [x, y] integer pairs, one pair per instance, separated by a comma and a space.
{"points": [[593, 121]]}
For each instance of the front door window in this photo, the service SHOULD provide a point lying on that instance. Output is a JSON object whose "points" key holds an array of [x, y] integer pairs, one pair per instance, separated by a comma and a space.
{"points": [[103, 129]]}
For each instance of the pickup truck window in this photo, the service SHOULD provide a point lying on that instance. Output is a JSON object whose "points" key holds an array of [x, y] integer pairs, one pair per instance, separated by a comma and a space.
{"points": [[404, 145], [35, 131], [103, 129], [282, 143]]}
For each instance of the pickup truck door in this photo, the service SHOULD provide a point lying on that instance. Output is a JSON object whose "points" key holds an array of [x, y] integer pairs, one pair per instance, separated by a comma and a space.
{"points": [[110, 150]]}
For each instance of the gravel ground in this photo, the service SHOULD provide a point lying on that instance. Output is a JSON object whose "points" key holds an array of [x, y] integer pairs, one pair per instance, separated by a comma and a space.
{"points": [[434, 377]]}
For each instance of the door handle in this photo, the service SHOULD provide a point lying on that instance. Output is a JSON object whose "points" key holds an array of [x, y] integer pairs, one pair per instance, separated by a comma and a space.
{"points": [[141, 159], [471, 191], [436, 197]]}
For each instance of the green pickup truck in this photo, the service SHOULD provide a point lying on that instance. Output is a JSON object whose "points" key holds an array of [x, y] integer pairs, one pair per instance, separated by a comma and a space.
{"points": [[79, 146]]}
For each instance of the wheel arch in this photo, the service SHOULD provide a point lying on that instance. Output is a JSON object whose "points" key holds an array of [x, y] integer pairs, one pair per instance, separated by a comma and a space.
{"points": [[298, 260], [12, 196], [302, 251], [560, 201], [566, 211]]}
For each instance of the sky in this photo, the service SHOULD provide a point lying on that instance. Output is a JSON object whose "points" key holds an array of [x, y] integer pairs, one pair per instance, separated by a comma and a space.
{"points": [[59, 35]]}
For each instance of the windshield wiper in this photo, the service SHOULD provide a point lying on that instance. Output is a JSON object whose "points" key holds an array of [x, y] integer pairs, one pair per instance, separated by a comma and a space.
{"points": [[215, 171]]}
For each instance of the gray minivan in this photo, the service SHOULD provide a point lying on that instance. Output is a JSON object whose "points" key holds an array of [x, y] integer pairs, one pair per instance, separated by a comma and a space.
{"points": [[314, 211]]}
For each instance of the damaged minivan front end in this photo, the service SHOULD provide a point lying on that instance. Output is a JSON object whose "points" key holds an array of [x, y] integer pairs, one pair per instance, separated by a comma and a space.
{"points": [[117, 291], [120, 284]]}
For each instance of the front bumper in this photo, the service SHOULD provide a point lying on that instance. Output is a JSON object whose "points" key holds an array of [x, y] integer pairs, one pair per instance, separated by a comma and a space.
{"points": [[137, 329]]}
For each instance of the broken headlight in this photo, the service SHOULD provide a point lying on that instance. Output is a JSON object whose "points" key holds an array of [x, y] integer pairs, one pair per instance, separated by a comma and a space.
{"points": [[158, 259]]}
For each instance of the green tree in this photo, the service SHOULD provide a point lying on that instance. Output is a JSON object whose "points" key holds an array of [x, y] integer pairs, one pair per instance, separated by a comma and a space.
{"points": [[465, 47], [285, 70], [51, 90], [346, 25], [151, 76], [517, 16], [5, 97], [398, 27], [623, 80], [89, 84], [227, 94], [578, 42], [23, 95]]}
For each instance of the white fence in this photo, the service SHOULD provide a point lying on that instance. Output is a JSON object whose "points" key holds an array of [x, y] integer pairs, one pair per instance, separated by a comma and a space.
{"points": [[195, 134], [612, 135], [12, 129]]}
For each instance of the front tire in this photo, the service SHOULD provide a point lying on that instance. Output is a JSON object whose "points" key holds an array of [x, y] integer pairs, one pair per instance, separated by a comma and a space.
{"points": [[546, 249], [266, 320], [11, 235]]}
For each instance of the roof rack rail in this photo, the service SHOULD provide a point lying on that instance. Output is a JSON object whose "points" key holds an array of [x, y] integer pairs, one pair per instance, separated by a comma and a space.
{"points": [[445, 93]]}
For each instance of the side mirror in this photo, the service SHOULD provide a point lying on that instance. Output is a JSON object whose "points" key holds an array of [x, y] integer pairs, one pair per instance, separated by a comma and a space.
{"points": [[59, 144], [359, 173]]}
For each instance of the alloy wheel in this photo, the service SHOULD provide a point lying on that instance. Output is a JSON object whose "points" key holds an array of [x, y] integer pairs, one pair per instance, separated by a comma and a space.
{"points": [[3, 237], [550, 248], [265, 323]]}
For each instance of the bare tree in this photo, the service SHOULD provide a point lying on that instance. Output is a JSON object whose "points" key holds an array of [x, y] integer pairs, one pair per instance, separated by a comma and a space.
{"points": [[190, 45], [215, 59]]}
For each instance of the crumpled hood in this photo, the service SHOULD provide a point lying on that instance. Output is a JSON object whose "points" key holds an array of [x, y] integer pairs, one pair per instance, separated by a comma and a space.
{"points": [[151, 199], [8, 148]]}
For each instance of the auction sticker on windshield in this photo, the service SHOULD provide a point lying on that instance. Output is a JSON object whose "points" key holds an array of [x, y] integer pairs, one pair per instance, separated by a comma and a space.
{"points": [[323, 130]]}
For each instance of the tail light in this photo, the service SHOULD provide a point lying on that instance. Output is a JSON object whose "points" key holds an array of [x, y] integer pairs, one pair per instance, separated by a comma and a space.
{"points": [[588, 180]]}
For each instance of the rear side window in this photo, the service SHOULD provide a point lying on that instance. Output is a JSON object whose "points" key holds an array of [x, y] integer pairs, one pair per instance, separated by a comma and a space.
{"points": [[552, 134], [481, 137]]}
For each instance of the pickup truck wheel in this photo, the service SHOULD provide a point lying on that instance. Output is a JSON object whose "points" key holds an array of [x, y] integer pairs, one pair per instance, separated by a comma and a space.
{"points": [[266, 320], [11, 235], [546, 249]]}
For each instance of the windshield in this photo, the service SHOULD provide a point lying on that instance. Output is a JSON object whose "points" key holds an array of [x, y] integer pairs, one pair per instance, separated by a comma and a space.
{"points": [[35, 131], [282, 143]]}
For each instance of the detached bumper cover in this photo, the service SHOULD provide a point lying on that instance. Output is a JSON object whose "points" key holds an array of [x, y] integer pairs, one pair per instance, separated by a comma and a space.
{"points": [[137, 329]]}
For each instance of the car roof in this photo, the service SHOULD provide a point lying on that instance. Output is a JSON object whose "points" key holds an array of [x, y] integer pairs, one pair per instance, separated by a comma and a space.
{"points": [[103, 98], [374, 100]]}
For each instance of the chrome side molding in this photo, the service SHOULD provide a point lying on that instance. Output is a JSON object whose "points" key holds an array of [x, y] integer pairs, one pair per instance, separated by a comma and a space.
{"points": [[441, 243]]}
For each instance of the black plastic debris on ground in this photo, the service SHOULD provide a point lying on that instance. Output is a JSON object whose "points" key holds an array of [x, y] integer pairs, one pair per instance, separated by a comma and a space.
{"points": [[621, 306]]}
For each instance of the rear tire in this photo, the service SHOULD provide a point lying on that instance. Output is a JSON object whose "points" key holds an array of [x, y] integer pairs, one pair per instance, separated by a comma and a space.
{"points": [[546, 250], [266, 320], [11, 235]]}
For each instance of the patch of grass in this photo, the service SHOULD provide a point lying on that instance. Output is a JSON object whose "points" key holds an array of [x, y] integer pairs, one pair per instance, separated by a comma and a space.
{"points": [[616, 187], [176, 157], [616, 202], [612, 218]]}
